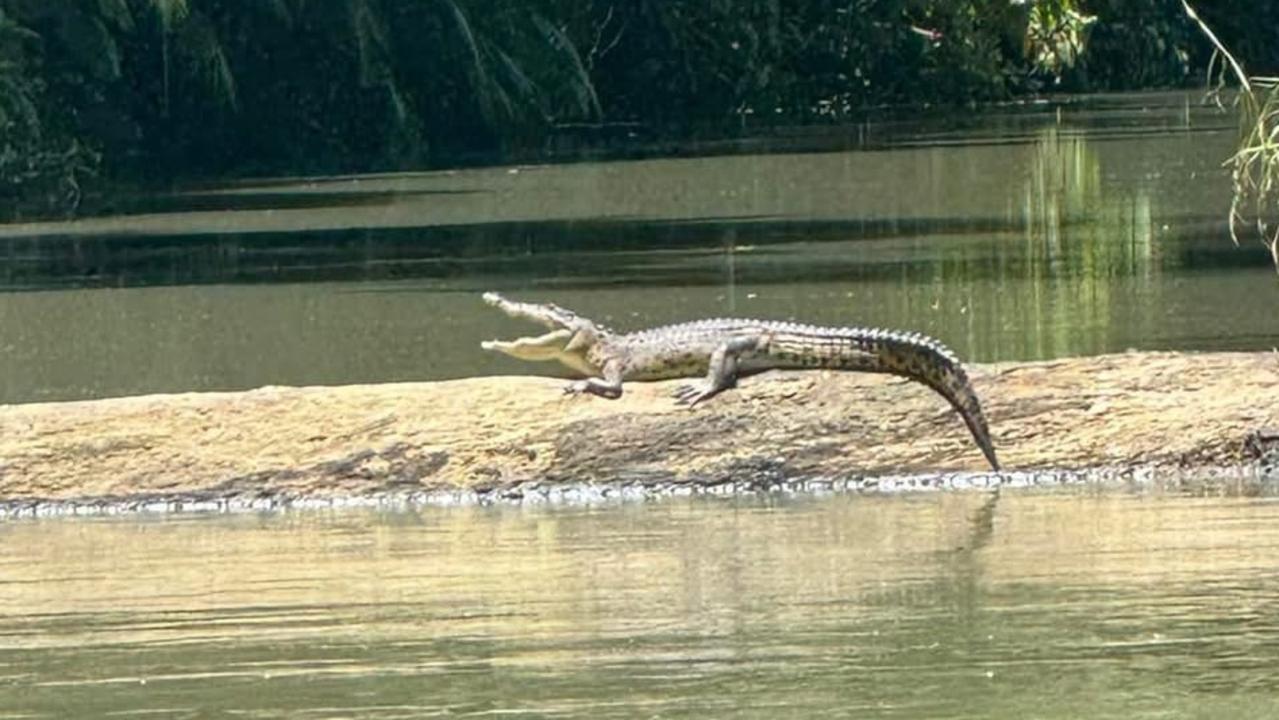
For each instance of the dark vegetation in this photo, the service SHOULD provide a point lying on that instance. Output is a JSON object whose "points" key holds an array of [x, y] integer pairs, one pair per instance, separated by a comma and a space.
{"points": [[150, 91]]}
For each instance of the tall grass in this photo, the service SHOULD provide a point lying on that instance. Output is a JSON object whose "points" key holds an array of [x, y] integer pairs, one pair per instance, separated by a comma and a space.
{"points": [[1255, 164]]}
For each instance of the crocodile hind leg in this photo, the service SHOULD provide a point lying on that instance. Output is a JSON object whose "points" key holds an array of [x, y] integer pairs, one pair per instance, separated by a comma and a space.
{"points": [[721, 375]]}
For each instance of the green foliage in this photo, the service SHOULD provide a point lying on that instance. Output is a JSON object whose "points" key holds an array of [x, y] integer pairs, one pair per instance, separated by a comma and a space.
{"points": [[713, 62], [171, 88], [1255, 166], [1250, 34], [38, 165], [1140, 43], [198, 86], [1055, 35]]}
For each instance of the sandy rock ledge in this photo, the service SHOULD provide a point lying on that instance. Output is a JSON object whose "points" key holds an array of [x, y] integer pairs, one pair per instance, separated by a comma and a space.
{"points": [[1197, 421]]}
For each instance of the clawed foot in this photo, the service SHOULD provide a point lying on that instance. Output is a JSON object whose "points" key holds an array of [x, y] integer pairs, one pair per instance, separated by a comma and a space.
{"points": [[690, 394], [591, 386]]}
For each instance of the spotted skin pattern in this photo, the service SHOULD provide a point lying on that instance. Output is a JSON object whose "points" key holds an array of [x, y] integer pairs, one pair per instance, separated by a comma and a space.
{"points": [[724, 349]]}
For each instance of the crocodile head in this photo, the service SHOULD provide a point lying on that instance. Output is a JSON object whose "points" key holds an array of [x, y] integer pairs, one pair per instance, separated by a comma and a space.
{"points": [[570, 340]]}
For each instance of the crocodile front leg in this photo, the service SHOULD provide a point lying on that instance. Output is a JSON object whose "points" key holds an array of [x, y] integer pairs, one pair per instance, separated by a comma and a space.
{"points": [[722, 373], [609, 386]]}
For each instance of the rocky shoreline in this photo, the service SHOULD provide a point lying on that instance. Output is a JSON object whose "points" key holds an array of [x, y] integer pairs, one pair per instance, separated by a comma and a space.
{"points": [[1184, 421]]}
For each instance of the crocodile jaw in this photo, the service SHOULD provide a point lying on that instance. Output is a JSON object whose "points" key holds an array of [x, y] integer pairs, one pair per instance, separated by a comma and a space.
{"points": [[557, 345]]}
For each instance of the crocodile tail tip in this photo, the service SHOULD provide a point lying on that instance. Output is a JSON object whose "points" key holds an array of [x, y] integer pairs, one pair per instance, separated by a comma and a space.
{"points": [[989, 451], [949, 378], [975, 419]]}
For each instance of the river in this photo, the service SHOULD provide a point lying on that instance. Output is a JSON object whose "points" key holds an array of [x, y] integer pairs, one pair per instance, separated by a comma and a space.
{"points": [[1062, 605], [1018, 233]]}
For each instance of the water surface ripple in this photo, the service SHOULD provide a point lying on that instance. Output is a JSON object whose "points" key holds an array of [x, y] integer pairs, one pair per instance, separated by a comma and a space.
{"points": [[1049, 605]]}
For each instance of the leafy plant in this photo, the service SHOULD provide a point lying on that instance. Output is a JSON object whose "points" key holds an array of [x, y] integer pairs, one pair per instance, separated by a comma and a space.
{"points": [[1255, 165], [1055, 35], [165, 89], [37, 165]]}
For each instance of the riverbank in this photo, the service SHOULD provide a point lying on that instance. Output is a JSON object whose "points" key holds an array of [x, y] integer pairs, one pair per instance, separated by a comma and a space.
{"points": [[1161, 417]]}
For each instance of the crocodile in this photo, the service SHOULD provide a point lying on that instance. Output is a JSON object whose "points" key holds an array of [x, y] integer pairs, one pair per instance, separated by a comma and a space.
{"points": [[725, 349]]}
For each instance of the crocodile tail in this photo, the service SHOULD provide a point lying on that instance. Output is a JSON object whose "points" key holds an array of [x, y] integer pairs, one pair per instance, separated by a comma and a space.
{"points": [[927, 361], [911, 355]]}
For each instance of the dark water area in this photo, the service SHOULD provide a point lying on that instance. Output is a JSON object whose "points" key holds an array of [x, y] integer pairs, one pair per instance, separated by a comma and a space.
{"points": [[1011, 233], [956, 605]]}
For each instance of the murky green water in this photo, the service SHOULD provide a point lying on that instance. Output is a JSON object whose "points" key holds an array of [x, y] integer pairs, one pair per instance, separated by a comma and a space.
{"points": [[942, 605], [1011, 234]]}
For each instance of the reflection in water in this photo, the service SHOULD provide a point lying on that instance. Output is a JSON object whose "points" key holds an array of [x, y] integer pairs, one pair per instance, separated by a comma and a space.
{"points": [[1081, 243], [959, 605], [1069, 233]]}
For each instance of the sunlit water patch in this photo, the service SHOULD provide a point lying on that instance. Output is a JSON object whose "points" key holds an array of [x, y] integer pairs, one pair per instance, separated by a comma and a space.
{"points": [[937, 605]]}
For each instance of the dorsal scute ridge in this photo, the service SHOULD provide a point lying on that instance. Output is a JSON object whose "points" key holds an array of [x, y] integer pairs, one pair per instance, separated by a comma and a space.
{"points": [[872, 334], [909, 337]]}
